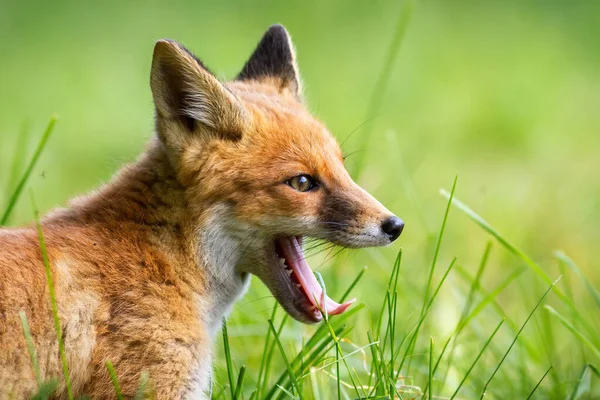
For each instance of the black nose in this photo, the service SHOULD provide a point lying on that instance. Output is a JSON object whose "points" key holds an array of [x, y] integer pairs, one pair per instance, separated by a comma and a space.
{"points": [[392, 227]]}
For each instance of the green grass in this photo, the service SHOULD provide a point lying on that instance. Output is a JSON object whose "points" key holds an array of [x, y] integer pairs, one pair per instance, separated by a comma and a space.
{"points": [[395, 348], [539, 382], [52, 295], [21, 185], [31, 348], [496, 92], [114, 379]]}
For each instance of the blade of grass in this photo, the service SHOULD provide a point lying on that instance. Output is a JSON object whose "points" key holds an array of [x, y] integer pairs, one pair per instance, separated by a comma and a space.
{"points": [[568, 287], [290, 370], [547, 335], [18, 157], [475, 284], [46, 390], [378, 94], [36, 155], [487, 227], [392, 323], [374, 361], [287, 392], [477, 359], [319, 335], [391, 300], [31, 348], [438, 245], [228, 359], [391, 287], [422, 318], [528, 261], [574, 331], [266, 358], [573, 267], [271, 352], [314, 385], [385, 379], [583, 381], [353, 284], [315, 358], [396, 272], [437, 363], [517, 337], [321, 301], [239, 387], [53, 303], [316, 344], [315, 369], [337, 373], [430, 367], [436, 253], [339, 354], [490, 298], [221, 394], [140, 393], [114, 380], [539, 382]]}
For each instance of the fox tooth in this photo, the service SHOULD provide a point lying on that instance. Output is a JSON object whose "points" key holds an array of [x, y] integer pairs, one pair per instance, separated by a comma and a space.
{"points": [[282, 261], [298, 285], [289, 272]]}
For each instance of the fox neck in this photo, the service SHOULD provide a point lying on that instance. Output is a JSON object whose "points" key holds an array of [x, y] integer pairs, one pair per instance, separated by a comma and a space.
{"points": [[221, 253], [148, 194]]}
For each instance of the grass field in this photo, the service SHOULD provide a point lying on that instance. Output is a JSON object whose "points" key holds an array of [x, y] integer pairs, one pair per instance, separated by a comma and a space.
{"points": [[503, 95]]}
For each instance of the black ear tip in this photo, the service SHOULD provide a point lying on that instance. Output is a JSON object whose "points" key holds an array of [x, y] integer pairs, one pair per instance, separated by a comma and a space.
{"points": [[273, 57], [277, 30]]}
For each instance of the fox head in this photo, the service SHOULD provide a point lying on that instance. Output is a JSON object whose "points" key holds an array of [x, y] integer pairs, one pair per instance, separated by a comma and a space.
{"points": [[258, 168]]}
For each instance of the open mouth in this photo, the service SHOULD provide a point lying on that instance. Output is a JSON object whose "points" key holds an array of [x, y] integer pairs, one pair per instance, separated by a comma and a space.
{"points": [[302, 279]]}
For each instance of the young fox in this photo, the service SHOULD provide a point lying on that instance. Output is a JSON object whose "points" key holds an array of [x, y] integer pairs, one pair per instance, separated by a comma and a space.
{"points": [[147, 267]]}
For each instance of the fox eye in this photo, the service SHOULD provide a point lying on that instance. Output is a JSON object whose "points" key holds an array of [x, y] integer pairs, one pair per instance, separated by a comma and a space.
{"points": [[302, 183]]}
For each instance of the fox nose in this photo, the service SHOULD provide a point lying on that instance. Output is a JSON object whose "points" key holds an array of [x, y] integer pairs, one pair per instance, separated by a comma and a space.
{"points": [[392, 227]]}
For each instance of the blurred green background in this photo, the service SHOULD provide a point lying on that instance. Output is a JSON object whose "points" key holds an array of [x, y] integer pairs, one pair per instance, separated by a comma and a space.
{"points": [[504, 94]]}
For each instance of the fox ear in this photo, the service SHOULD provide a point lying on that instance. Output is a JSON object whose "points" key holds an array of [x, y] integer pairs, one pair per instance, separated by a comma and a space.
{"points": [[185, 90], [274, 57]]}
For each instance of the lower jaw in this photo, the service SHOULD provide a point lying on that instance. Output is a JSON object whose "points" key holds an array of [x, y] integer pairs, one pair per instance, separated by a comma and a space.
{"points": [[300, 283], [302, 313], [296, 302]]}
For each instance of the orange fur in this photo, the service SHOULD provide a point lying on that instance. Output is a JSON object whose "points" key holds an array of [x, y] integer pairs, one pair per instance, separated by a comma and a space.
{"points": [[146, 268]]}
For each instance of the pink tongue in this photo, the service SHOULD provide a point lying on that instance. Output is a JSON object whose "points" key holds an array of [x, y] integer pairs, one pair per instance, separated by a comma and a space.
{"points": [[295, 258]]}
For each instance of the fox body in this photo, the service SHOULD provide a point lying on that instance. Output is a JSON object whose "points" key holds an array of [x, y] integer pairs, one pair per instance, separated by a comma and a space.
{"points": [[147, 267]]}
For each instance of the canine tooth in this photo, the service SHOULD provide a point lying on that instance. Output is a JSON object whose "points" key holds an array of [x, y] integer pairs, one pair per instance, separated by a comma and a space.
{"points": [[289, 271]]}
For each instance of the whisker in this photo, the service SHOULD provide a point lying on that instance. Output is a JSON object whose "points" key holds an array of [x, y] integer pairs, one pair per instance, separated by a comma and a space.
{"points": [[356, 129], [331, 257], [256, 299]]}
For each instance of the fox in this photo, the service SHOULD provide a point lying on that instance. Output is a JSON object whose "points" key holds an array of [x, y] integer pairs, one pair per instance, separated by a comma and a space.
{"points": [[146, 268]]}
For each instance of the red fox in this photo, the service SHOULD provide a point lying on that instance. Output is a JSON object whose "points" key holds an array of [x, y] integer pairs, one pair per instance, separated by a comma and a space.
{"points": [[147, 267]]}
